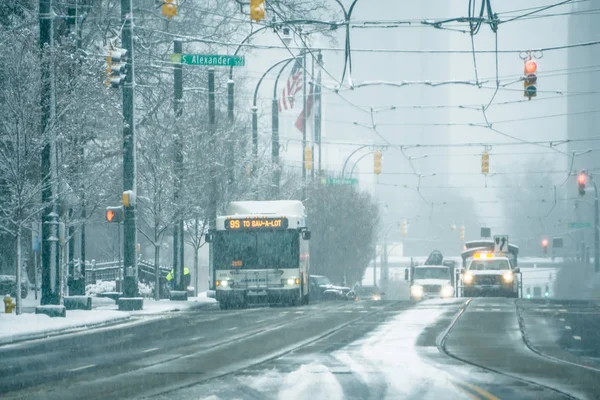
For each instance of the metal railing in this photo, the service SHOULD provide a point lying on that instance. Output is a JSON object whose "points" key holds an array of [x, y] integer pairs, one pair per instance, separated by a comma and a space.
{"points": [[113, 270]]}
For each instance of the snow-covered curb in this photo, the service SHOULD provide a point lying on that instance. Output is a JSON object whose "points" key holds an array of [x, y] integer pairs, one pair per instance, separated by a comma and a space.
{"points": [[27, 326], [24, 327]]}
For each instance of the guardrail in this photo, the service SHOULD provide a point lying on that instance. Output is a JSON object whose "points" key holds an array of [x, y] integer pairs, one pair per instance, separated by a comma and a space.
{"points": [[113, 270]]}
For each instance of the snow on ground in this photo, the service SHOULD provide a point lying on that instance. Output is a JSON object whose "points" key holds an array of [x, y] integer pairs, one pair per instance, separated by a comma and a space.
{"points": [[28, 325], [311, 381], [21, 327], [390, 354]]}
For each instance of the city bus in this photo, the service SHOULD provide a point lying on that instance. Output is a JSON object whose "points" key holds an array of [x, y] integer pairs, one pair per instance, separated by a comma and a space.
{"points": [[259, 254]]}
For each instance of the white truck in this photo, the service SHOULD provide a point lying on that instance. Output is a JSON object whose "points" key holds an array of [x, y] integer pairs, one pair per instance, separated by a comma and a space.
{"points": [[259, 254], [432, 280]]}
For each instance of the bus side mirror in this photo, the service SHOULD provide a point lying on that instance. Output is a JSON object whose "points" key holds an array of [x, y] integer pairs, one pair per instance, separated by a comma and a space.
{"points": [[306, 235], [208, 237], [406, 274]]}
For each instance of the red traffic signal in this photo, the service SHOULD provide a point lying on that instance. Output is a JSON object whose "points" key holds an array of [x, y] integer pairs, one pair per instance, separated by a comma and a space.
{"points": [[114, 215], [544, 242], [581, 181], [530, 67]]}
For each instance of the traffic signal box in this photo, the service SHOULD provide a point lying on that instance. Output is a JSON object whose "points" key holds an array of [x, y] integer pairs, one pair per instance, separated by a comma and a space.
{"points": [[530, 79], [485, 163], [462, 232], [404, 228], [545, 245], [116, 67], [114, 215], [257, 10], [581, 182], [377, 162], [169, 8], [308, 158]]}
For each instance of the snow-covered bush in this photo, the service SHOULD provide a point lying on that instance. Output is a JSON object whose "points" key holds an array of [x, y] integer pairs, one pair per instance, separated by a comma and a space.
{"points": [[100, 287]]}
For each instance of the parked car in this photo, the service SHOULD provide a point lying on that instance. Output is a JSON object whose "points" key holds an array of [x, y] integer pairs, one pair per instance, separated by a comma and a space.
{"points": [[321, 288], [8, 286]]}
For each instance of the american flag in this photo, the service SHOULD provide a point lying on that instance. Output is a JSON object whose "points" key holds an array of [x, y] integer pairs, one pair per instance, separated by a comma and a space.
{"points": [[309, 107], [293, 85]]}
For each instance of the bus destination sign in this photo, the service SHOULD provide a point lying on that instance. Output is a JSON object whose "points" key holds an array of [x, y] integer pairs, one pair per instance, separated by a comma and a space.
{"points": [[241, 224]]}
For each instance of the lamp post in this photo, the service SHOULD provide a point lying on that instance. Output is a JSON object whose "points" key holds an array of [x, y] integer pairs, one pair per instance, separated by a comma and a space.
{"points": [[255, 115]]}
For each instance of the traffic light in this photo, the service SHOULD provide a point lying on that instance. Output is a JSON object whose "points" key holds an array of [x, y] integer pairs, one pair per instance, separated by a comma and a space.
{"points": [[581, 181], [377, 162], [257, 10], [530, 79], [114, 215], [308, 158], [404, 227], [169, 8], [545, 245], [485, 162], [462, 232], [547, 292], [116, 69]]}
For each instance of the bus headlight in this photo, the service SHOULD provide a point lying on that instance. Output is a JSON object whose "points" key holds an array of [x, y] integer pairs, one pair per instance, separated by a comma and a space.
{"points": [[508, 277], [447, 291], [223, 283], [291, 281], [468, 278], [416, 290]]}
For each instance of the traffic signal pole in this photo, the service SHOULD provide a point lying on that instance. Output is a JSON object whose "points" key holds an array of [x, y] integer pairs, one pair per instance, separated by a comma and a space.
{"points": [[596, 230], [178, 169], [130, 281]]}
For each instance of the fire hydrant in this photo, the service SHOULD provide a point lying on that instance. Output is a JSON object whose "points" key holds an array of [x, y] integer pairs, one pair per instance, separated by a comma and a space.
{"points": [[8, 304]]}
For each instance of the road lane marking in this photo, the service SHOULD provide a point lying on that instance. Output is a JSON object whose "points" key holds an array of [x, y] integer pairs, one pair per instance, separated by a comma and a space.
{"points": [[84, 367], [259, 321], [567, 327], [232, 329], [495, 309], [479, 309], [149, 350], [198, 338], [482, 392], [577, 337], [562, 310], [561, 319], [474, 392]]}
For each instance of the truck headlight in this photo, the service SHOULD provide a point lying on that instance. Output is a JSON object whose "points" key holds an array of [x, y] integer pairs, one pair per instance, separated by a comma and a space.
{"points": [[447, 291], [468, 278], [291, 281], [416, 290], [508, 277]]}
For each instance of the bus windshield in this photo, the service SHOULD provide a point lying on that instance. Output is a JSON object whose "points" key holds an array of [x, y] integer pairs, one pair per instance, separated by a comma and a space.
{"points": [[256, 250]]}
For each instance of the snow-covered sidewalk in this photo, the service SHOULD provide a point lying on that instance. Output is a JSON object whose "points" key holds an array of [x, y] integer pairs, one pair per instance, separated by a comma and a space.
{"points": [[28, 326]]}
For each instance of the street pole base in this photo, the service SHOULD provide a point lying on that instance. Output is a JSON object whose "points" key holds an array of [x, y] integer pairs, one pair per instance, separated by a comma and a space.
{"points": [[130, 303], [76, 287], [52, 311], [78, 303], [179, 295]]}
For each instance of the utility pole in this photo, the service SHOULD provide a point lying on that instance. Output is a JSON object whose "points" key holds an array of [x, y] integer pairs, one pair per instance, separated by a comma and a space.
{"points": [[130, 281], [50, 276], [312, 100], [596, 229], [211, 151], [304, 116], [318, 111], [178, 169], [230, 140]]}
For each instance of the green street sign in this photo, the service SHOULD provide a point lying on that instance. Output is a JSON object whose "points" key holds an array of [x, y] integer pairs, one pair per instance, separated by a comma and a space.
{"points": [[209, 60], [339, 181], [580, 224]]}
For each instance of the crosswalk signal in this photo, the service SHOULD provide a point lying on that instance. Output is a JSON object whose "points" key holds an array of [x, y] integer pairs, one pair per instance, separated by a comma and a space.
{"points": [[169, 8], [485, 163], [377, 162], [257, 10], [404, 228], [114, 215], [116, 67], [530, 79], [581, 181], [308, 158]]}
